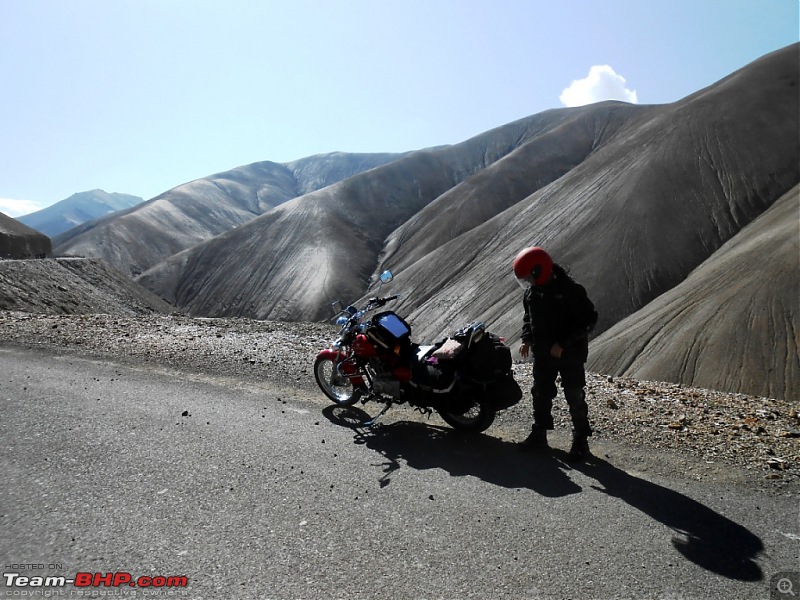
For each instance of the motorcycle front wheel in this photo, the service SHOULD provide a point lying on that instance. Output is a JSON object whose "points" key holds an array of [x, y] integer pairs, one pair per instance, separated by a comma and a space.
{"points": [[477, 418], [335, 386]]}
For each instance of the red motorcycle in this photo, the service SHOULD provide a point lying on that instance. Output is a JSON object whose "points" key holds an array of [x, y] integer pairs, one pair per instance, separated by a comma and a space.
{"points": [[466, 377]]}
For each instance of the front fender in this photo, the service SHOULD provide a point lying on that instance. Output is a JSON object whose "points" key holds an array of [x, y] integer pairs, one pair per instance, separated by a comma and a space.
{"points": [[345, 366]]}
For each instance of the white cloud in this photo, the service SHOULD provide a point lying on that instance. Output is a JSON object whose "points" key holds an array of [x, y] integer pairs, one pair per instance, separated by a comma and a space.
{"points": [[602, 83], [17, 208]]}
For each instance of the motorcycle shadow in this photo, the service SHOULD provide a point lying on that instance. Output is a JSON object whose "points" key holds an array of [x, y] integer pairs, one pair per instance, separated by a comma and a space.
{"points": [[423, 446]]}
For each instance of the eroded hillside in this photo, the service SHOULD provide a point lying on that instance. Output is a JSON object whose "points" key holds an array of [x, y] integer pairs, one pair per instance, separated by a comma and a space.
{"points": [[73, 286]]}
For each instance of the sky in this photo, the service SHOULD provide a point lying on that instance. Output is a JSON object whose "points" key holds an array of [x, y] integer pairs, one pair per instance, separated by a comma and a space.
{"points": [[140, 96]]}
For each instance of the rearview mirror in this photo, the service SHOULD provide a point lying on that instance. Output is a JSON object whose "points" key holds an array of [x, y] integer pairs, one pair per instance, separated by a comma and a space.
{"points": [[386, 276]]}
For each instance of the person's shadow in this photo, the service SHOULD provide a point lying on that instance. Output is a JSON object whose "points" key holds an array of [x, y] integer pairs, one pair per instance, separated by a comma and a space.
{"points": [[702, 535]]}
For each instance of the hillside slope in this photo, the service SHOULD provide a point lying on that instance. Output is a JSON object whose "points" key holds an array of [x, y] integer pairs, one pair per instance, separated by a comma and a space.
{"points": [[290, 263], [73, 286], [732, 325], [134, 240], [17, 240], [560, 140]]}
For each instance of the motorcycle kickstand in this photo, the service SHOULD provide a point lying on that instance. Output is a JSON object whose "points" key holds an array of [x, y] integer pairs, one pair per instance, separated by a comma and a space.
{"points": [[374, 419]]}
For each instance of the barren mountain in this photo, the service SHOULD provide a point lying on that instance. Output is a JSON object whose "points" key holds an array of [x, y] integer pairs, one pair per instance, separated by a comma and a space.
{"points": [[632, 199], [134, 240], [656, 197], [558, 141], [731, 325], [76, 210], [291, 262]]}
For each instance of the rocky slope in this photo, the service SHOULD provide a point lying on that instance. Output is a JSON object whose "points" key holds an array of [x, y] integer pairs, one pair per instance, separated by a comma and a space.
{"points": [[18, 241], [73, 286]]}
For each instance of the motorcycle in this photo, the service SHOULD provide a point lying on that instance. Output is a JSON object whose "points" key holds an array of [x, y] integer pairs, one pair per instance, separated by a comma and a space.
{"points": [[466, 378]]}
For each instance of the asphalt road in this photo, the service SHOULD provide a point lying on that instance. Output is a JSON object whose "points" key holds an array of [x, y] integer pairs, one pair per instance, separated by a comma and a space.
{"points": [[250, 491]]}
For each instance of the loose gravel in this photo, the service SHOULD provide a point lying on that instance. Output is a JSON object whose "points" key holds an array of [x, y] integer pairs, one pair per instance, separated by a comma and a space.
{"points": [[704, 433]]}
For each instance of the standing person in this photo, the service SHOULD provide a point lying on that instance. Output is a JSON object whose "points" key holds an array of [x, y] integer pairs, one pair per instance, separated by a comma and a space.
{"points": [[556, 325]]}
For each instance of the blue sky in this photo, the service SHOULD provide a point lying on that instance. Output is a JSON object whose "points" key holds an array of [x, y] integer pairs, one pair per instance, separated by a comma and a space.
{"points": [[139, 96]]}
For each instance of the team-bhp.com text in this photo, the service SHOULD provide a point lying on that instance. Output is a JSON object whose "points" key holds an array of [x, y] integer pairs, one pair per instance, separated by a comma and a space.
{"points": [[95, 580]]}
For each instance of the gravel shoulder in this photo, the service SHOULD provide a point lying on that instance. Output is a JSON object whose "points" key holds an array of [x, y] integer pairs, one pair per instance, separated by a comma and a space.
{"points": [[649, 427]]}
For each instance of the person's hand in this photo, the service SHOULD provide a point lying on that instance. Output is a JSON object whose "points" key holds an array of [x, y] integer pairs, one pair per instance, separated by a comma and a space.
{"points": [[556, 351], [523, 350]]}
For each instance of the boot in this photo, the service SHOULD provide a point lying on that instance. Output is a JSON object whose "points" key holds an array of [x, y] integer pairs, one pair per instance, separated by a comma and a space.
{"points": [[537, 440], [580, 447]]}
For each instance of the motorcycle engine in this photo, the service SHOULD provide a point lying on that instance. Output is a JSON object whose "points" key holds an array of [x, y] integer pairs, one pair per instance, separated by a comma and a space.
{"points": [[384, 382], [387, 387]]}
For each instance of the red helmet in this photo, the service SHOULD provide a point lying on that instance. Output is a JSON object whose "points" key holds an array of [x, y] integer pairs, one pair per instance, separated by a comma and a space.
{"points": [[533, 266]]}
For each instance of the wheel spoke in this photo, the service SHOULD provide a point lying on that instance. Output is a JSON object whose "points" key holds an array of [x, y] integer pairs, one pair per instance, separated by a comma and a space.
{"points": [[337, 387]]}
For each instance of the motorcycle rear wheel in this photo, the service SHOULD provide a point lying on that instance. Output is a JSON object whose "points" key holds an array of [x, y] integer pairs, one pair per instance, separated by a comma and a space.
{"points": [[336, 387], [476, 419]]}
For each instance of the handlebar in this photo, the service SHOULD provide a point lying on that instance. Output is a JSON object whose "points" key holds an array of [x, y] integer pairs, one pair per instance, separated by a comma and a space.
{"points": [[382, 301], [350, 314]]}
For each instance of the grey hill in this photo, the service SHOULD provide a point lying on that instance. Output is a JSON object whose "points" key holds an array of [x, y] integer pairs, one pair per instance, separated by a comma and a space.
{"points": [[135, 239], [680, 219], [735, 314], [76, 210], [18, 241], [73, 286]]}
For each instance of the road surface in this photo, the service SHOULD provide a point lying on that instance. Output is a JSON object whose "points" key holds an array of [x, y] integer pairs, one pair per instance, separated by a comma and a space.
{"points": [[251, 491]]}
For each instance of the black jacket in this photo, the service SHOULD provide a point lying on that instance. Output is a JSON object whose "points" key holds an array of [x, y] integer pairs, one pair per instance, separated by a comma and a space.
{"points": [[558, 312]]}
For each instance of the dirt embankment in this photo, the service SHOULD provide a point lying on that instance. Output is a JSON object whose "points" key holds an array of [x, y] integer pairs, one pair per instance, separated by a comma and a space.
{"points": [[73, 286]]}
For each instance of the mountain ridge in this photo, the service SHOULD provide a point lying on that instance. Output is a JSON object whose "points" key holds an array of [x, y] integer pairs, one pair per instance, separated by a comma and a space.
{"points": [[134, 240], [78, 209]]}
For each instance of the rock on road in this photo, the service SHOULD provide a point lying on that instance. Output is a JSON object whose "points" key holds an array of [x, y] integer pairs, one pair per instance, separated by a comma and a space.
{"points": [[253, 491]]}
